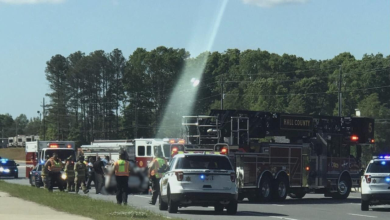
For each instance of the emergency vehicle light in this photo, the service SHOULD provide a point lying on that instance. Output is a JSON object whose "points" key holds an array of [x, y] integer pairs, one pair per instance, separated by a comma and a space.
{"points": [[388, 179], [202, 177], [307, 168], [174, 150], [372, 140], [69, 146], [383, 162], [53, 146], [181, 141], [172, 141], [224, 150], [384, 157], [354, 138]]}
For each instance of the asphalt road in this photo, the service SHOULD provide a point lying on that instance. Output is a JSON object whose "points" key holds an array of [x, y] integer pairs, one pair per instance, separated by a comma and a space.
{"points": [[312, 207]]}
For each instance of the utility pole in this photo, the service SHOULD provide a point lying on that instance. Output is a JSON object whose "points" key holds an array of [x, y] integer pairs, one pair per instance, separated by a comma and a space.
{"points": [[222, 95], [340, 95], [44, 122], [136, 116]]}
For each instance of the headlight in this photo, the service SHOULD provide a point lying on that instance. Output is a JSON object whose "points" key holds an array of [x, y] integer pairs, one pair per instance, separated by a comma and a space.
{"points": [[63, 176], [1, 169], [6, 171]]}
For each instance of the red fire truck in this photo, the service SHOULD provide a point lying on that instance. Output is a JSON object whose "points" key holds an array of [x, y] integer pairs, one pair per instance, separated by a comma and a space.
{"points": [[320, 154], [36, 152]]}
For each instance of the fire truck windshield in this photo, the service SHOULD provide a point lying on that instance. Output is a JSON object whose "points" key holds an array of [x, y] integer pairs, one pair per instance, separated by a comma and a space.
{"points": [[167, 150], [62, 153]]}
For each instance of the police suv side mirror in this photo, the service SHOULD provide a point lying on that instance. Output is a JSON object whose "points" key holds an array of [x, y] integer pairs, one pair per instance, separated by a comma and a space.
{"points": [[17, 164], [361, 172]]}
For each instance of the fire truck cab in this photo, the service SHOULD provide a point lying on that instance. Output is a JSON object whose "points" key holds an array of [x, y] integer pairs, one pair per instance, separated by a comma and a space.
{"points": [[36, 152], [278, 154]]}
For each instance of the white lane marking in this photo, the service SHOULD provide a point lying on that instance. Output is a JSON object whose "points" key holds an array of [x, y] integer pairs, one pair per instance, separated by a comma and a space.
{"points": [[284, 218], [145, 197], [355, 197], [277, 205], [367, 216]]}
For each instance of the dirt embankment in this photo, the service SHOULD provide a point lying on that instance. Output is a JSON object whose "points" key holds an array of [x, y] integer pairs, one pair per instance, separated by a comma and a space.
{"points": [[13, 153]]}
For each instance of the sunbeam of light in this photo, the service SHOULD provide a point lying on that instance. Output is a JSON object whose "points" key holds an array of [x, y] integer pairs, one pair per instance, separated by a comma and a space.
{"points": [[183, 97]]}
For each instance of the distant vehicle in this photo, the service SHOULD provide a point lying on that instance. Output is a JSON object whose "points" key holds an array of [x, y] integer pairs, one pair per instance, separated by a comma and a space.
{"points": [[11, 142], [376, 183], [199, 179], [20, 140], [3, 142], [8, 168]]}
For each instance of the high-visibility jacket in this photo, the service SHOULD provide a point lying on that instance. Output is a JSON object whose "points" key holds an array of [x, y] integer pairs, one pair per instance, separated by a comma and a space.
{"points": [[55, 166], [69, 169], [157, 163], [121, 168]]}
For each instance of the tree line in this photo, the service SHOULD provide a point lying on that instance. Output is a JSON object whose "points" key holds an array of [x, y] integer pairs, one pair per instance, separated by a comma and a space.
{"points": [[104, 95]]}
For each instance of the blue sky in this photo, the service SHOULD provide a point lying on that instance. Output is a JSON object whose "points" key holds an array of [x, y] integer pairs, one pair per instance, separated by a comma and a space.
{"points": [[31, 31]]}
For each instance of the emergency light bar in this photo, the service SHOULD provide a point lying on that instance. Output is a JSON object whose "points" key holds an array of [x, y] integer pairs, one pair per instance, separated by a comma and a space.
{"points": [[381, 157]]}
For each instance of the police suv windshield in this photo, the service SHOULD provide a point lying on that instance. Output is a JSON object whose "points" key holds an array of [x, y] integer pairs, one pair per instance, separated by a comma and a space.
{"points": [[8, 163], [204, 162], [379, 167]]}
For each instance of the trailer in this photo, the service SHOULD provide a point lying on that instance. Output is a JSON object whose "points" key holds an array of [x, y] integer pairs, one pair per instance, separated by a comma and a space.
{"points": [[318, 154], [36, 152]]}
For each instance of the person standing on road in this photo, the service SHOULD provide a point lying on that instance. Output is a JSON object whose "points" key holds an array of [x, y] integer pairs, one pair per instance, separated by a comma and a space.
{"points": [[98, 168], [122, 173], [80, 173], [44, 173], [91, 173], [69, 171], [54, 166], [157, 166]]}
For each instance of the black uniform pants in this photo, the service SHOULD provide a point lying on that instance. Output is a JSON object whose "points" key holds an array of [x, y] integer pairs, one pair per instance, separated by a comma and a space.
{"points": [[155, 188], [99, 181], [91, 177], [122, 189], [54, 178]]}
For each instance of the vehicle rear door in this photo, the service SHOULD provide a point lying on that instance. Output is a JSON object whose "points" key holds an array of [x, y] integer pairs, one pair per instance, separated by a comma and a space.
{"points": [[205, 172], [379, 172]]}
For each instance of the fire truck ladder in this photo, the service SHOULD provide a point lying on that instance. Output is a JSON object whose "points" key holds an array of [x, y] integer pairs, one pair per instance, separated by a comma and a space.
{"points": [[236, 131], [201, 129]]}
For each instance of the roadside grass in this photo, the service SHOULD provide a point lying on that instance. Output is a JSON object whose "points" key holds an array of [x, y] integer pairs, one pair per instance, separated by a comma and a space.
{"points": [[13, 153], [77, 204]]}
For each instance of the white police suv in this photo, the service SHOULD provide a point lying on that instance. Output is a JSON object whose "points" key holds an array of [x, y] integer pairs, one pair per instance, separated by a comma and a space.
{"points": [[199, 180], [376, 183]]}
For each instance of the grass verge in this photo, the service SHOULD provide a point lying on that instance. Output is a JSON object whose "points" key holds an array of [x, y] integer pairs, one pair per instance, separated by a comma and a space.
{"points": [[13, 153], [77, 204]]}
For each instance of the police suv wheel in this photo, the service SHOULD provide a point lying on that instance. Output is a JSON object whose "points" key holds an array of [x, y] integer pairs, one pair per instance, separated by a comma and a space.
{"points": [[172, 206], [364, 205], [232, 208], [162, 206]]}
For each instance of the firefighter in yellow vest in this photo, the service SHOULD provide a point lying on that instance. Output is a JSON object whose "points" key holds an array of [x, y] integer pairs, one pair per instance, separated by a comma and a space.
{"points": [[44, 173], [69, 171], [80, 171], [54, 166], [122, 173], [157, 169]]}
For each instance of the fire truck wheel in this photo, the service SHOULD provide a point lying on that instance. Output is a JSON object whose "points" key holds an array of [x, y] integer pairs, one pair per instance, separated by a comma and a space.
{"points": [[343, 188], [265, 190], [298, 195], [281, 188]]}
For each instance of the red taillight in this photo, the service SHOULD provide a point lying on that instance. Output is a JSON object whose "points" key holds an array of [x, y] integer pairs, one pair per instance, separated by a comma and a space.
{"points": [[174, 151], [179, 176], [372, 140], [368, 178], [354, 138], [224, 150], [233, 177], [307, 168]]}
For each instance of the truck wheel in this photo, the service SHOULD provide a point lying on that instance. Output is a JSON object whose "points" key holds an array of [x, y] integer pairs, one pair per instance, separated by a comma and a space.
{"points": [[172, 206], [265, 190], [343, 189], [364, 205], [163, 206], [232, 208], [298, 195], [281, 188]]}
